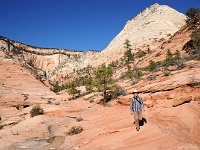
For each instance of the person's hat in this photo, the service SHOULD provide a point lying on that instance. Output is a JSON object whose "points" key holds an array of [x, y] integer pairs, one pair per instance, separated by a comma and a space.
{"points": [[135, 91]]}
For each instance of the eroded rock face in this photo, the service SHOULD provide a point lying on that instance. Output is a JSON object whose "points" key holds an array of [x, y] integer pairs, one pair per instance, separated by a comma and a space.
{"points": [[50, 63], [154, 23], [42, 143]]}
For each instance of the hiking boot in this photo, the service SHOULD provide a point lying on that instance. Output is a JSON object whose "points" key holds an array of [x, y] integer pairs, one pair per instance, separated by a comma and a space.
{"points": [[138, 129]]}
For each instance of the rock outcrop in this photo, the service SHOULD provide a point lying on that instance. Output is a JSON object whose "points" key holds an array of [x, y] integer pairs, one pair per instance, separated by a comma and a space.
{"points": [[47, 62], [155, 23], [181, 100]]}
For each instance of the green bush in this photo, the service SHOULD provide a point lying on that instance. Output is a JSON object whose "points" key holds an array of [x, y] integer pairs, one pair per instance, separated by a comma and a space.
{"points": [[174, 60], [90, 99], [195, 84], [140, 54], [117, 91], [72, 90], [138, 74], [169, 61], [153, 66], [151, 77], [195, 37], [75, 130], [56, 88], [129, 74], [37, 110], [166, 71], [135, 81], [114, 64], [180, 64]]}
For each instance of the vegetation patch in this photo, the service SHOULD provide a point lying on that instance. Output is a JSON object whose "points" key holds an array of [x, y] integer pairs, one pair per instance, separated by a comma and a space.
{"points": [[194, 84], [35, 111], [75, 130], [153, 66]]}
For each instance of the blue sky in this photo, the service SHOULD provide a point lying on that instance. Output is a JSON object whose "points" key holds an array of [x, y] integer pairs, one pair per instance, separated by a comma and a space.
{"points": [[73, 24]]}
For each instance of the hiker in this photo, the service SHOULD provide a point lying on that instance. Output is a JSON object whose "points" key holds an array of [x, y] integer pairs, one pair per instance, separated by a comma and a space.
{"points": [[136, 107]]}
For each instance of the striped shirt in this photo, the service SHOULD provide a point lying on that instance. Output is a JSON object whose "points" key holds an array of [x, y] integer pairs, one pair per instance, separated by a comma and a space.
{"points": [[136, 104]]}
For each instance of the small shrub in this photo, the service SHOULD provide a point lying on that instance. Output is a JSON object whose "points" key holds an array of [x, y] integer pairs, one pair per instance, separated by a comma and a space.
{"points": [[174, 60], [180, 64], [117, 91], [75, 130], [140, 54], [168, 35], [122, 91], [37, 110], [137, 74], [151, 77], [123, 75], [90, 99], [56, 88], [169, 61], [1, 127], [153, 66], [166, 71], [195, 84], [135, 81], [190, 57], [129, 74]]}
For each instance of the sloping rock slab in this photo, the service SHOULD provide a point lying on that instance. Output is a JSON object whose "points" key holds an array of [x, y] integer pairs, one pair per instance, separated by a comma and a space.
{"points": [[181, 100], [39, 143]]}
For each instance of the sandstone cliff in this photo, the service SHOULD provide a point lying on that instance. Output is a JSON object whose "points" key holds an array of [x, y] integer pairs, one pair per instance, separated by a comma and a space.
{"points": [[155, 23], [46, 61]]}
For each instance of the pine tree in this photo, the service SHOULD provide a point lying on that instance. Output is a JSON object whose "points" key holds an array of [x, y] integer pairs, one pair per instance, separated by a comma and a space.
{"points": [[103, 80], [177, 55], [196, 42], [191, 12], [153, 66], [89, 84], [72, 89], [169, 58], [128, 55]]}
